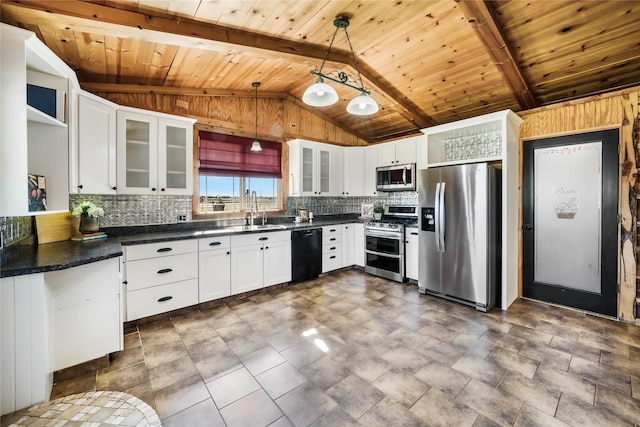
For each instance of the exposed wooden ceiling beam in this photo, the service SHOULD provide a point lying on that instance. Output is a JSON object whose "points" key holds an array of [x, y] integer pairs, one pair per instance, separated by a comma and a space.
{"points": [[479, 14], [194, 34], [172, 90]]}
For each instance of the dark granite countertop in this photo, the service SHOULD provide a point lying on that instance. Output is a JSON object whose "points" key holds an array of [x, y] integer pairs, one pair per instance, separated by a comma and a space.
{"points": [[19, 260]]}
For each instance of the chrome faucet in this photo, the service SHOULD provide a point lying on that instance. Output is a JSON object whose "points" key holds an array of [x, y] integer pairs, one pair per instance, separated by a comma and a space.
{"points": [[253, 203]]}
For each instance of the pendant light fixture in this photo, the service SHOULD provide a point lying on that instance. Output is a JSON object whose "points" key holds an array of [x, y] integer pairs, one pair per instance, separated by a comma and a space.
{"points": [[255, 146], [320, 94]]}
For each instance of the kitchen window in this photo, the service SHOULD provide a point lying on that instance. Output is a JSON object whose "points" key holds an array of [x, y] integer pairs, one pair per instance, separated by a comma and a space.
{"points": [[229, 172], [224, 194]]}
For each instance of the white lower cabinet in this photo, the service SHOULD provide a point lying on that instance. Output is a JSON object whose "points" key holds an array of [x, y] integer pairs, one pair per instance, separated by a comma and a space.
{"points": [[52, 321], [214, 268], [247, 268], [27, 355], [260, 259], [411, 252], [332, 255], [88, 319], [358, 244], [348, 245], [277, 261], [160, 277]]}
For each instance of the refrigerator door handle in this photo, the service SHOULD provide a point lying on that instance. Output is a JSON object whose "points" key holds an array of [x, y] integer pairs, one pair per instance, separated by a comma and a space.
{"points": [[443, 216], [436, 214]]}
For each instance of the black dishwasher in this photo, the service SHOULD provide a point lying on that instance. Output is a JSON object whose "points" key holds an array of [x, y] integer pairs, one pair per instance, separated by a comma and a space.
{"points": [[306, 254]]}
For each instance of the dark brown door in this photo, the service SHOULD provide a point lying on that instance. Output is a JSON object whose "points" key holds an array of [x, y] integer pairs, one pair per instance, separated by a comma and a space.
{"points": [[570, 221]]}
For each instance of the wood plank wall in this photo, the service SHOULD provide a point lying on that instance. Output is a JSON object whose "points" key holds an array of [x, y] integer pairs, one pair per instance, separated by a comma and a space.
{"points": [[278, 119], [608, 111]]}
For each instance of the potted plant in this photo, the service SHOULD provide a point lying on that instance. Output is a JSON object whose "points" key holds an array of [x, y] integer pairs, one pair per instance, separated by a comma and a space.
{"points": [[377, 211], [89, 215]]}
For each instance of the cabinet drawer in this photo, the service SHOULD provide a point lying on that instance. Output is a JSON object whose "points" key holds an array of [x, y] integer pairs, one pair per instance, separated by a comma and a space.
{"points": [[259, 238], [331, 238], [160, 299], [158, 271], [329, 248], [331, 231], [212, 243], [331, 261], [151, 250]]}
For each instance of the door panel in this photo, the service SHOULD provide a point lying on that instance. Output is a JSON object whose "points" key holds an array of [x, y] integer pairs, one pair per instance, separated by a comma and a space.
{"points": [[570, 231]]}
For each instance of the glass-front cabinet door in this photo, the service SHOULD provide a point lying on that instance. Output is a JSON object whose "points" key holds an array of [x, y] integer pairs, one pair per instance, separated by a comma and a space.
{"points": [[307, 171], [137, 153], [174, 157], [324, 171]]}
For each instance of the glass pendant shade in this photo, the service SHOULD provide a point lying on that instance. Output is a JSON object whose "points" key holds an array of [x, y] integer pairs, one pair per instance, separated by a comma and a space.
{"points": [[362, 105], [255, 145], [320, 94]]}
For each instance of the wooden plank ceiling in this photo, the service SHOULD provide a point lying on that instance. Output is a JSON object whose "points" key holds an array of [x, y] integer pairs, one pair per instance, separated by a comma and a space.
{"points": [[425, 62]]}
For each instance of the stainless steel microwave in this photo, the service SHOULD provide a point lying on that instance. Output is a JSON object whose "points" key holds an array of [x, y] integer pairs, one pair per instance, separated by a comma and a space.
{"points": [[396, 178]]}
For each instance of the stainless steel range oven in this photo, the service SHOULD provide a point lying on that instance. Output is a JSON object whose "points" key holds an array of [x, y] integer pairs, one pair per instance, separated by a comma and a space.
{"points": [[384, 242]]}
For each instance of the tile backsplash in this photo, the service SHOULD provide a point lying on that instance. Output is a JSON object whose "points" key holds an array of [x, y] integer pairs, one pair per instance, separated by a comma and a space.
{"points": [[130, 210], [347, 204], [15, 228], [136, 209]]}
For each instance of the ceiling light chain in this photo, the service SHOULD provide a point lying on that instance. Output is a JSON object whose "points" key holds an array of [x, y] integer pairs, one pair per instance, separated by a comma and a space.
{"points": [[321, 94], [326, 55], [355, 62]]}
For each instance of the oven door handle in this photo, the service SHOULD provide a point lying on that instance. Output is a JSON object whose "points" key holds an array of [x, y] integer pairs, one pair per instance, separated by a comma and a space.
{"points": [[379, 233], [384, 254]]}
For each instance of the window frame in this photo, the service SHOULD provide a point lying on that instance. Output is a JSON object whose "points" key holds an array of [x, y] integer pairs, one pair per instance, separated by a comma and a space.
{"points": [[282, 191]]}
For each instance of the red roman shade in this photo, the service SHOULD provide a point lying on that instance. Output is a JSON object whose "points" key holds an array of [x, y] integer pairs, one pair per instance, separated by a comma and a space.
{"points": [[227, 155]]}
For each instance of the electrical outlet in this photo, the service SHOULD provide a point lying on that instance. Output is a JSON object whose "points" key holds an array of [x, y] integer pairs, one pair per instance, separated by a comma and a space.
{"points": [[182, 217]]}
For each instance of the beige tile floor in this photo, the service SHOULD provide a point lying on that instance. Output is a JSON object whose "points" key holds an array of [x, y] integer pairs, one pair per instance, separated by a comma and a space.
{"points": [[352, 349]]}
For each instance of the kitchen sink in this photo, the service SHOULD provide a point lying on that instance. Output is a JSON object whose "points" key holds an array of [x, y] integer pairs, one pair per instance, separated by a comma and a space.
{"points": [[257, 227]]}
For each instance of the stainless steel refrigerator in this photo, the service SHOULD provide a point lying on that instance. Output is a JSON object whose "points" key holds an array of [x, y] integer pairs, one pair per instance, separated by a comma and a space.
{"points": [[460, 233]]}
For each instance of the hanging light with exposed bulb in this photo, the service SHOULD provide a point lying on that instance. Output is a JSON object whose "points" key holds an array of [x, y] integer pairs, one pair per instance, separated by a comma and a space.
{"points": [[320, 94], [255, 145]]}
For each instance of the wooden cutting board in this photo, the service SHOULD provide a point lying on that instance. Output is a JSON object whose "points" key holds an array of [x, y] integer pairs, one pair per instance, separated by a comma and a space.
{"points": [[56, 227]]}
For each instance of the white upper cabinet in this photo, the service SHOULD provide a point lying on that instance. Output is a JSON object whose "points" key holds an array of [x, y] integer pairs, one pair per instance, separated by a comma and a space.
{"points": [[34, 139], [137, 153], [370, 164], [397, 153], [175, 156], [96, 157], [154, 152], [353, 171], [485, 138], [315, 168]]}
